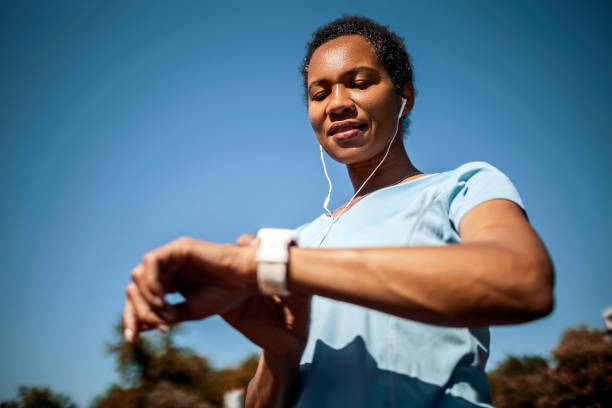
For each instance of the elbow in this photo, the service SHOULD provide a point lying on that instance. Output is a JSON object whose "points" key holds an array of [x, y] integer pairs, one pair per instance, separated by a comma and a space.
{"points": [[539, 297], [542, 306]]}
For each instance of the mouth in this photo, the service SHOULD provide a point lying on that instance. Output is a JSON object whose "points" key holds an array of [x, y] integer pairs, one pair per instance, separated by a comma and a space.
{"points": [[346, 130]]}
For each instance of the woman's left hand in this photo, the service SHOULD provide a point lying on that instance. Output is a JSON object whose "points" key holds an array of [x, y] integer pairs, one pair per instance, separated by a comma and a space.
{"points": [[211, 278]]}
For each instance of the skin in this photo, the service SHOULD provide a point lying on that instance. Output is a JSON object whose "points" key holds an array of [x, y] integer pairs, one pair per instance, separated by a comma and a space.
{"points": [[501, 273], [346, 82]]}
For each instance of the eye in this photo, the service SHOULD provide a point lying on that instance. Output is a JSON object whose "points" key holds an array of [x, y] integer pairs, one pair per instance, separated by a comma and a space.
{"points": [[318, 96], [362, 84]]}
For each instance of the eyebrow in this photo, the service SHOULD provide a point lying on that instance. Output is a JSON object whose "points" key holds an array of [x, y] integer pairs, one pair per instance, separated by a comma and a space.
{"points": [[350, 72]]}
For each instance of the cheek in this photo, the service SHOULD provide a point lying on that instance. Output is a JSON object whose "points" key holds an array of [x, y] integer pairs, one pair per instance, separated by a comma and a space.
{"points": [[315, 120], [381, 112]]}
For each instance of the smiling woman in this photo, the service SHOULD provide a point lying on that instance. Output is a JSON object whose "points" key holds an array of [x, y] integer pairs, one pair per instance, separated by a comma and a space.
{"points": [[350, 97], [385, 301]]}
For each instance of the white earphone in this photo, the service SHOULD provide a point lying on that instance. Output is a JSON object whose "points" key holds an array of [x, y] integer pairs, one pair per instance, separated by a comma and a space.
{"points": [[346, 207]]}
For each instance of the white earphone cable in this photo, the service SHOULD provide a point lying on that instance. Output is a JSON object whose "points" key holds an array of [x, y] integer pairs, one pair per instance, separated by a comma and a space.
{"points": [[346, 207], [326, 202]]}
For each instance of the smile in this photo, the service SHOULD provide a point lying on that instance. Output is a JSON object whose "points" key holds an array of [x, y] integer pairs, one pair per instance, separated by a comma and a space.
{"points": [[346, 130]]}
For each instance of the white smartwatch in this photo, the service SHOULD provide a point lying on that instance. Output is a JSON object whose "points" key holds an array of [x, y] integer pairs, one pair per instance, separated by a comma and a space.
{"points": [[272, 260]]}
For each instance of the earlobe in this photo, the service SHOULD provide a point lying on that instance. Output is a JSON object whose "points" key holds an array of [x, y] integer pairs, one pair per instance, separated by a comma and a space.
{"points": [[408, 94]]}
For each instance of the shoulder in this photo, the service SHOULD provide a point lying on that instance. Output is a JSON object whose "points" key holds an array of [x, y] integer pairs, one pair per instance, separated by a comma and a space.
{"points": [[467, 170], [474, 183], [476, 172]]}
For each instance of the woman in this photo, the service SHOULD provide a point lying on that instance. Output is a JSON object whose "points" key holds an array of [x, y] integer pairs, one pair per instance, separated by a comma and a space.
{"points": [[407, 275]]}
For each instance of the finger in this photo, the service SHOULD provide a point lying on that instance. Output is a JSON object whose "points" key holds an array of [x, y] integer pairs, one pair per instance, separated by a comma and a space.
{"points": [[164, 328], [143, 312], [142, 327], [181, 312], [177, 313], [160, 266], [246, 239], [130, 323], [145, 327], [200, 302], [139, 277]]}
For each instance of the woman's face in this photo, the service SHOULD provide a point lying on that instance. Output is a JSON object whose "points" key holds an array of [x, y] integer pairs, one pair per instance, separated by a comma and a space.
{"points": [[352, 102]]}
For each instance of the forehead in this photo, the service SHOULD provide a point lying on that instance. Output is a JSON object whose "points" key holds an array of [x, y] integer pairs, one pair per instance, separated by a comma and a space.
{"points": [[340, 55]]}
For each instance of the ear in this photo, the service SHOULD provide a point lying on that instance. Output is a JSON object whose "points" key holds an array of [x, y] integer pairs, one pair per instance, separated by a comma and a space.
{"points": [[408, 93]]}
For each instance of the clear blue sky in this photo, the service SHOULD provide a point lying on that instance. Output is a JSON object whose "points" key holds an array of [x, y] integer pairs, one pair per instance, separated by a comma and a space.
{"points": [[125, 126]]}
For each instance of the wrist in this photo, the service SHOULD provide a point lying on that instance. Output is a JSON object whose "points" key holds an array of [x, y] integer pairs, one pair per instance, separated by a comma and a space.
{"points": [[283, 363], [274, 382], [246, 266]]}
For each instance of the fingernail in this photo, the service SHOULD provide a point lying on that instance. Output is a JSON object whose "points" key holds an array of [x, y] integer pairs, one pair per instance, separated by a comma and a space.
{"points": [[164, 328], [129, 335], [159, 302]]}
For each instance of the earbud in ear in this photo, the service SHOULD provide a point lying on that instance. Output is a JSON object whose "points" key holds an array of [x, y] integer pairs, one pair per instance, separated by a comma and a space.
{"points": [[404, 100]]}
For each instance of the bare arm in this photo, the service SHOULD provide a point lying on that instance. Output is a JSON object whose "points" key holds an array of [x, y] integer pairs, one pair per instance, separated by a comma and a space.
{"points": [[501, 273], [274, 382]]}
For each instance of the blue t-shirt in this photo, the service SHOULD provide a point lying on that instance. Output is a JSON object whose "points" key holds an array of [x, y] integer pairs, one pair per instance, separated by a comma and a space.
{"points": [[360, 357]]}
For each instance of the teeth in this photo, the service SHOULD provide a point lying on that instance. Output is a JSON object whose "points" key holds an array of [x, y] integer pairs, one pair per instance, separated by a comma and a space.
{"points": [[345, 128]]}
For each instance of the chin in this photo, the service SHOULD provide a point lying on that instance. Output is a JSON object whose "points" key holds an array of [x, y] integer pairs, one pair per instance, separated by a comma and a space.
{"points": [[352, 155]]}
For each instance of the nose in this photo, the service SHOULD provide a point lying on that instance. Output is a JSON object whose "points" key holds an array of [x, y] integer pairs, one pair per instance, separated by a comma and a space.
{"points": [[339, 101]]}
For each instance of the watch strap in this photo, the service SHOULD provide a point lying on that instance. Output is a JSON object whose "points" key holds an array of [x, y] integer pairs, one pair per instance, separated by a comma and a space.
{"points": [[272, 260]]}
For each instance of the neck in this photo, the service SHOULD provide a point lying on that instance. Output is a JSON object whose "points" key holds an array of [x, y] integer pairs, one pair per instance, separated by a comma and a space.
{"points": [[396, 168]]}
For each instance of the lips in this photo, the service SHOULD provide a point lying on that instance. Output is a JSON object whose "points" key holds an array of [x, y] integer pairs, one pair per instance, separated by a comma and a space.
{"points": [[346, 129]]}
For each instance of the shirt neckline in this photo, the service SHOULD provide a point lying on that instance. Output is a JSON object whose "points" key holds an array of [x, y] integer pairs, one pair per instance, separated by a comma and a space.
{"points": [[328, 218]]}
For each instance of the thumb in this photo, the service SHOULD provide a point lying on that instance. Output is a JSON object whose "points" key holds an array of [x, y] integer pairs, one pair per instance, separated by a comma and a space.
{"points": [[200, 302], [177, 313]]}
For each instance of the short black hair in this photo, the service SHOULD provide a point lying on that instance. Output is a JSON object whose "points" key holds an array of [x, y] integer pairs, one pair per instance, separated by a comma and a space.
{"points": [[388, 46]]}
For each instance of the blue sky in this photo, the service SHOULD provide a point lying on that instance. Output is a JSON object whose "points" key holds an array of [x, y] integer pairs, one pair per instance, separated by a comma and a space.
{"points": [[124, 126]]}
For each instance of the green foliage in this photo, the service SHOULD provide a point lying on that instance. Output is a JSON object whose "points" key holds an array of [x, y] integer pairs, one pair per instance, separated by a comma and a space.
{"points": [[580, 375]]}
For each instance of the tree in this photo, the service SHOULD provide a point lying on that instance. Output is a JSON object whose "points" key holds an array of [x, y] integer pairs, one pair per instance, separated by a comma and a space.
{"points": [[517, 382], [155, 374], [33, 397], [580, 375], [160, 375]]}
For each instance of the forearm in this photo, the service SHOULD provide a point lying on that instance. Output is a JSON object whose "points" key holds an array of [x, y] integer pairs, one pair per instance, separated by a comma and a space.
{"points": [[453, 285], [274, 382]]}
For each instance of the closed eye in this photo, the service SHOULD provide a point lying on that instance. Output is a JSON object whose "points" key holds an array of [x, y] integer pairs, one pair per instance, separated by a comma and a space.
{"points": [[319, 96], [362, 84]]}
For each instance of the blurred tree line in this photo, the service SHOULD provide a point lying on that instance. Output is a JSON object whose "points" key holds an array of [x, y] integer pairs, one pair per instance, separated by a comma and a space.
{"points": [[157, 374], [579, 375], [34, 397]]}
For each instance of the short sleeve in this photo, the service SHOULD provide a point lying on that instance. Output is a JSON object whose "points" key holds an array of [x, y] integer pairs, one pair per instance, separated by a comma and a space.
{"points": [[475, 183]]}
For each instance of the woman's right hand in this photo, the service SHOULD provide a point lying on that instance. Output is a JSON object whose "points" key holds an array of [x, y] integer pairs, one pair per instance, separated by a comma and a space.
{"points": [[214, 279]]}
